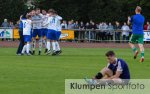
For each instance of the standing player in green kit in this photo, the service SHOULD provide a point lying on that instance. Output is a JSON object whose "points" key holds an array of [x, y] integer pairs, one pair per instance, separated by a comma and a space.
{"points": [[137, 22]]}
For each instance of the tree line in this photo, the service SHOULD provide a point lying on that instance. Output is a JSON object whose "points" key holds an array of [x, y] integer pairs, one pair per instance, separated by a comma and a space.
{"points": [[81, 10]]}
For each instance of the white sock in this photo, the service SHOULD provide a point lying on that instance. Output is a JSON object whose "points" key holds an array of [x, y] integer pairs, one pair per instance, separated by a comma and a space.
{"points": [[34, 45], [54, 46], [24, 49], [57, 46], [44, 42], [48, 45], [40, 44], [28, 48]]}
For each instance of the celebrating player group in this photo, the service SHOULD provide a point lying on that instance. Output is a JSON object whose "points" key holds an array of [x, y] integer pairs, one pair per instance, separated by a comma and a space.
{"points": [[46, 26]]}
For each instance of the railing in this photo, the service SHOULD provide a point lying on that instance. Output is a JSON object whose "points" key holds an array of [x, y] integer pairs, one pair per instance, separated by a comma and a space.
{"points": [[83, 35]]}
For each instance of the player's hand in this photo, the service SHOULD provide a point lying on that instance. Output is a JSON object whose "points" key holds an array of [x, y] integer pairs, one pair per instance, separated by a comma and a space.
{"points": [[129, 18]]}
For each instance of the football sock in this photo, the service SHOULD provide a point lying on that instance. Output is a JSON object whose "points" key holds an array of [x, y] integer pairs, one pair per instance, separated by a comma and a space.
{"points": [[134, 49], [28, 48], [48, 45], [40, 45], [54, 46], [24, 49], [142, 54], [57, 46], [34, 44]]}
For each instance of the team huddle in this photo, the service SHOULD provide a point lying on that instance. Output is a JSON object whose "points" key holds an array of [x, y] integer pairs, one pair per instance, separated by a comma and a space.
{"points": [[47, 26]]}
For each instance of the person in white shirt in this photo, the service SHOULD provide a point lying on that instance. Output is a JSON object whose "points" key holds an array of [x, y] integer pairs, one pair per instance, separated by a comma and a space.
{"points": [[58, 33], [37, 26], [27, 26], [125, 32], [44, 28], [52, 31]]}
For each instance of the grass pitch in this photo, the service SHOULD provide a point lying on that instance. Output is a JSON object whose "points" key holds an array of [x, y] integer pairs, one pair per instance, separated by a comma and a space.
{"points": [[47, 74]]}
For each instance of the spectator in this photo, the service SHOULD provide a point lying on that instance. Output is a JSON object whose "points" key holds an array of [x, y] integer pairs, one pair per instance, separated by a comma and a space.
{"points": [[5, 23], [64, 25], [76, 25], [110, 32], [11, 24], [17, 24], [81, 33], [146, 26], [125, 32], [70, 25], [117, 32], [104, 29]]}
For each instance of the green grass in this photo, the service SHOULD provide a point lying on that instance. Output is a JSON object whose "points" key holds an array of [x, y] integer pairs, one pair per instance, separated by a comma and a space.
{"points": [[47, 74]]}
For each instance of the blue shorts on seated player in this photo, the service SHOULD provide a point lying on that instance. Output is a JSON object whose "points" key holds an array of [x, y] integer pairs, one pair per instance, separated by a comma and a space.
{"points": [[37, 32], [58, 33], [44, 32], [51, 34], [27, 38]]}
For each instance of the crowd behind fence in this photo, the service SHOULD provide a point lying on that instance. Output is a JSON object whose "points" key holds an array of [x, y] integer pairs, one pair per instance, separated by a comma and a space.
{"points": [[87, 35]]}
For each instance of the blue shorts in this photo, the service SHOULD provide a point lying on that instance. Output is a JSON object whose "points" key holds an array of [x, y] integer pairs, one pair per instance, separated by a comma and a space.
{"points": [[37, 32], [44, 32], [51, 34], [58, 34], [27, 38]]}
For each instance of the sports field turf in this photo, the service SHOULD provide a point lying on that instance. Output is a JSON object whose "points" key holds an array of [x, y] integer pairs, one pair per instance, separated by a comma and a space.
{"points": [[47, 74]]}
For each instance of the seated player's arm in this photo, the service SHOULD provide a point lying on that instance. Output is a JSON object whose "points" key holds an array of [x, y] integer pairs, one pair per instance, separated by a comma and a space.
{"points": [[118, 71], [117, 75]]}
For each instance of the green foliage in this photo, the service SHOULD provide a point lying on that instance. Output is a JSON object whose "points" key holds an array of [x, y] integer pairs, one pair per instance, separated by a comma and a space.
{"points": [[85, 10]]}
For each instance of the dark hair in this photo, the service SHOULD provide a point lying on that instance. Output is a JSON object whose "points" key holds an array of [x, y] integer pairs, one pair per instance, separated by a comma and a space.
{"points": [[51, 10], [110, 53], [37, 9], [28, 16]]}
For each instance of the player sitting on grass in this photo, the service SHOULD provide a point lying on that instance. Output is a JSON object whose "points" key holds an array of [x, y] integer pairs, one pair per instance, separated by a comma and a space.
{"points": [[137, 22], [116, 71], [27, 25]]}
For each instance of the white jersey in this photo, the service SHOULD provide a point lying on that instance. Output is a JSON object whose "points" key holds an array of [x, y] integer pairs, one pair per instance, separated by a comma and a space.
{"points": [[37, 21], [52, 23], [59, 27], [44, 20], [27, 26]]}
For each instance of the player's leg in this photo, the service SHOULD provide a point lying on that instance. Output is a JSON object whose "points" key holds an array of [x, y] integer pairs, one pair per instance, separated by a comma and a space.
{"points": [[102, 76], [40, 41], [34, 40], [24, 49], [28, 45], [58, 50], [133, 40], [54, 43], [141, 42], [25, 45], [44, 34], [54, 47], [48, 44]]}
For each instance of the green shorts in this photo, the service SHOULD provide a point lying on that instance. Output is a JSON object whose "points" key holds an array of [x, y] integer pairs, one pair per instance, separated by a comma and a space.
{"points": [[137, 39]]}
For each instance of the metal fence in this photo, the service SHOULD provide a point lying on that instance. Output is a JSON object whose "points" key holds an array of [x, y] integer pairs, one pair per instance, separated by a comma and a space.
{"points": [[92, 35], [105, 35]]}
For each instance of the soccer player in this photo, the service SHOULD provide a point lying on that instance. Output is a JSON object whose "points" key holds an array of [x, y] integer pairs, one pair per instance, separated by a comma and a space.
{"points": [[37, 24], [52, 34], [27, 25], [44, 28], [117, 70], [137, 22], [58, 33]]}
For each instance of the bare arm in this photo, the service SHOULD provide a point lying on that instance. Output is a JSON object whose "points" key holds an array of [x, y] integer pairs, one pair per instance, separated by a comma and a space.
{"points": [[129, 20], [117, 75]]}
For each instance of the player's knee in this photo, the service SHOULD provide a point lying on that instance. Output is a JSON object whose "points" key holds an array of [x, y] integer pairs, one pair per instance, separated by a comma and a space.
{"points": [[99, 75]]}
